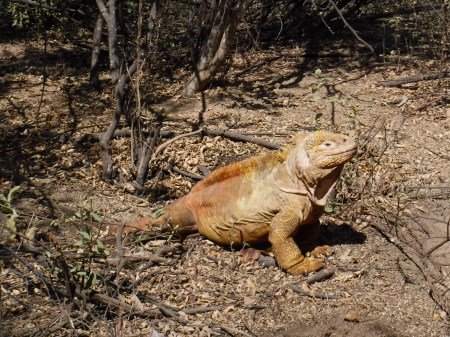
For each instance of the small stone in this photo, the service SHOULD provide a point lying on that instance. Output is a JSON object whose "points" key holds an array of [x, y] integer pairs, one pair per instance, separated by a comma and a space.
{"points": [[352, 316]]}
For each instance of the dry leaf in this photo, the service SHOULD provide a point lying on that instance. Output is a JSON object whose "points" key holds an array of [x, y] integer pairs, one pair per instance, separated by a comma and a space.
{"points": [[137, 302], [250, 254], [352, 316], [248, 301]]}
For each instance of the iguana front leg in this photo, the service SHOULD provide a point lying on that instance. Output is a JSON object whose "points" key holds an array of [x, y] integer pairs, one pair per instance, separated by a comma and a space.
{"points": [[287, 254]]}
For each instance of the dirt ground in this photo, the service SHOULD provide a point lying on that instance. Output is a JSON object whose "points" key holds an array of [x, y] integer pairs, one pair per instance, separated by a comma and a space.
{"points": [[388, 231]]}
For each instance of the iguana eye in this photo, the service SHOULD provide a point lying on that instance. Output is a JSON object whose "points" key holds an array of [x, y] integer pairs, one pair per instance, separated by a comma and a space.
{"points": [[327, 144]]}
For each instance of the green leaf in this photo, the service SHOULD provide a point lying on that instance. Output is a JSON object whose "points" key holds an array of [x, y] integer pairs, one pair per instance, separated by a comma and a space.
{"points": [[11, 193], [96, 217], [328, 208], [91, 280], [54, 223], [6, 210], [318, 72], [11, 223], [85, 235]]}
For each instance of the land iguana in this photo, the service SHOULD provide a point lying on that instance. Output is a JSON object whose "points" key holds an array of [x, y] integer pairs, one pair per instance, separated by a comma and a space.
{"points": [[276, 197]]}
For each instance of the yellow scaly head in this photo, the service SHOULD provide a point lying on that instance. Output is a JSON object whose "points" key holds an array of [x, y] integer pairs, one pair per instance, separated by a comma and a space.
{"points": [[327, 150]]}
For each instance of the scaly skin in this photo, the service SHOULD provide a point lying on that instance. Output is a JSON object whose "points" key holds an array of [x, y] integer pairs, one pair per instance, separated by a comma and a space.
{"points": [[276, 197]]}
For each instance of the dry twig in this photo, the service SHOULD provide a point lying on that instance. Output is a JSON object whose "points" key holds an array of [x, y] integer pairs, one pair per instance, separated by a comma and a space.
{"points": [[321, 275], [413, 79]]}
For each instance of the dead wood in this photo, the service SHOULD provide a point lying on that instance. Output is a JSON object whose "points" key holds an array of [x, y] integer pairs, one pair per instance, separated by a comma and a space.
{"points": [[131, 309], [214, 47], [161, 147], [144, 160], [193, 311], [95, 58], [432, 102], [50, 288], [430, 271], [242, 138], [413, 79], [321, 275], [203, 170], [140, 256], [120, 77], [187, 174]]}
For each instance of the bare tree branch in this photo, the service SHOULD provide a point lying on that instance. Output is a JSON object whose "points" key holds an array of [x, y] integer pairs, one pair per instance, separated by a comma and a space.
{"points": [[350, 27]]}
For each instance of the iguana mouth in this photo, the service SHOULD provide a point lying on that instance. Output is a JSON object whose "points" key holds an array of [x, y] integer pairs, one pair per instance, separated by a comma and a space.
{"points": [[352, 150]]}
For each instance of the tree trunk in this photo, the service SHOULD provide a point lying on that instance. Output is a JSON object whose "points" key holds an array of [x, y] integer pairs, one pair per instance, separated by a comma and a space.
{"points": [[95, 59], [217, 44]]}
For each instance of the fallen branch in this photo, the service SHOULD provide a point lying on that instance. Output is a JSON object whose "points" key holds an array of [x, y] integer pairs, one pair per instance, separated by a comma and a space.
{"points": [[321, 275], [174, 139], [432, 102], [140, 256], [200, 310], [50, 288], [187, 174], [227, 134], [131, 309], [242, 138], [413, 79], [167, 310]]}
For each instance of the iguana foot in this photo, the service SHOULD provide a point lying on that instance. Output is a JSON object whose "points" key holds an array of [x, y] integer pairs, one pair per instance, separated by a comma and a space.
{"points": [[320, 251], [307, 265]]}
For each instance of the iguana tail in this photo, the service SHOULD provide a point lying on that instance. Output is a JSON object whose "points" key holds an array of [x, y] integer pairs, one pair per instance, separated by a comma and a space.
{"points": [[175, 219]]}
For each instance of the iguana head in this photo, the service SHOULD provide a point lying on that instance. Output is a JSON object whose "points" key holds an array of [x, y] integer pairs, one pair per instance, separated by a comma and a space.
{"points": [[326, 150], [317, 159]]}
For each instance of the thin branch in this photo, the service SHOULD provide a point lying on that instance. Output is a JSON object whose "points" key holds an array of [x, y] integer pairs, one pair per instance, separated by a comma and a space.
{"points": [[187, 174], [102, 298], [350, 27], [413, 79], [321, 275], [242, 138], [161, 148]]}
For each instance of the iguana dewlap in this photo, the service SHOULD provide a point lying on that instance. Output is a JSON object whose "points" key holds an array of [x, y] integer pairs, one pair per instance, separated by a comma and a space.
{"points": [[276, 197]]}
